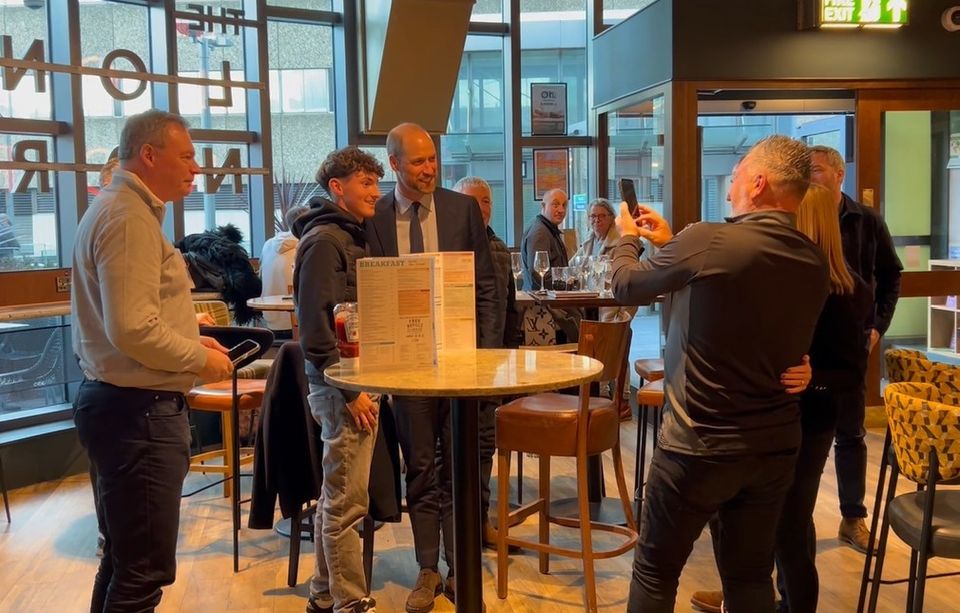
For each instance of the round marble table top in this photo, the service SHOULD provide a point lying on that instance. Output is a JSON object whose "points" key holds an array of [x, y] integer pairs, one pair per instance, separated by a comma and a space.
{"points": [[480, 372], [272, 303]]}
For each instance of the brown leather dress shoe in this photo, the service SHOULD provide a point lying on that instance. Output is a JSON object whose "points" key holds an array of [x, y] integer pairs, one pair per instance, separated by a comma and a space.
{"points": [[854, 532], [710, 602], [425, 591]]}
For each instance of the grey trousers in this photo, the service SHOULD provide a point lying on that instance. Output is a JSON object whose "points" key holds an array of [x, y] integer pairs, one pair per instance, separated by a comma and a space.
{"points": [[338, 577]]}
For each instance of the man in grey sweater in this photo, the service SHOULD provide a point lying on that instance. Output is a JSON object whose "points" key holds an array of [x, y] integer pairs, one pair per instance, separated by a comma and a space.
{"points": [[136, 337]]}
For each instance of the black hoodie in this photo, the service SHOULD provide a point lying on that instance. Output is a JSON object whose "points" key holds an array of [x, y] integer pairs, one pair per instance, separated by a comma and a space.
{"points": [[331, 242]]}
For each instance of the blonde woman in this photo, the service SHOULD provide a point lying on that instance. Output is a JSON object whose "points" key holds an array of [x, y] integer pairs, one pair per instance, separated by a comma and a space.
{"points": [[839, 360]]}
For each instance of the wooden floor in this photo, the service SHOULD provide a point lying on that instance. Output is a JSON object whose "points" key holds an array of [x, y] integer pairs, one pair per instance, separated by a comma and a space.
{"points": [[47, 558]]}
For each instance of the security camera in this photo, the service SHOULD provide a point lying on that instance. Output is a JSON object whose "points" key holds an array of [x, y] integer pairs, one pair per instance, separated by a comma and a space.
{"points": [[748, 105], [951, 19]]}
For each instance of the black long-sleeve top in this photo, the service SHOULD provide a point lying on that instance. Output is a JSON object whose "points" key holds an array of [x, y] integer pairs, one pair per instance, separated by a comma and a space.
{"points": [[745, 298]]}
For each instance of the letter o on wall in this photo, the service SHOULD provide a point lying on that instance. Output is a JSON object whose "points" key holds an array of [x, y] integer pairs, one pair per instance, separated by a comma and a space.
{"points": [[138, 65]]}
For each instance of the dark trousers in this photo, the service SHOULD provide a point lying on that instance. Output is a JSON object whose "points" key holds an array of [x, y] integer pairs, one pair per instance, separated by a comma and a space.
{"points": [[488, 447], [796, 548], [139, 443], [682, 493], [850, 455], [423, 429]]}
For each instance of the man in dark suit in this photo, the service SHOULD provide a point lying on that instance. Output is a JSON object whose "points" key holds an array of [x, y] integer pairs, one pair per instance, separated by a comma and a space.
{"points": [[419, 217]]}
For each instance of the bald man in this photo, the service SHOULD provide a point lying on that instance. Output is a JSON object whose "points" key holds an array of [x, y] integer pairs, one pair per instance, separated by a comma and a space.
{"points": [[417, 216]]}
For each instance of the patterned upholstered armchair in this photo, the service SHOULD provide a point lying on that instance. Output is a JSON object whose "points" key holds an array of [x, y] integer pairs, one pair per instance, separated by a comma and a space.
{"points": [[924, 427]]}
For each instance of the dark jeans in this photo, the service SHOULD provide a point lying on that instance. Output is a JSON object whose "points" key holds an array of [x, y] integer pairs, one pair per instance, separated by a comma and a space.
{"points": [[850, 455], [423, 428], [796, 549], [682, 493], [139, 443]]}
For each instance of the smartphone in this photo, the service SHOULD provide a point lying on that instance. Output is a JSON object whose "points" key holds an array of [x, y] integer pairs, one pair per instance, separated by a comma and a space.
{"points": [[243, 350], [628, 194]]}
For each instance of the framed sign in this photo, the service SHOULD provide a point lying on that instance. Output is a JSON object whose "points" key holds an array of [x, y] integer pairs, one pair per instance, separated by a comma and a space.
{"points": [[548, 109], [550, 171]]}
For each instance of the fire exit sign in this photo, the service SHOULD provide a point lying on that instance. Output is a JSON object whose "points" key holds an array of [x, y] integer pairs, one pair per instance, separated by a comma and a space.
{"points": [[864, 12]]}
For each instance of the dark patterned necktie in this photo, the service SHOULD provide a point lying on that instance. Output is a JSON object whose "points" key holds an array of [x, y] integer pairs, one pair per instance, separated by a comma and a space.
{"points": [[416, 232]]}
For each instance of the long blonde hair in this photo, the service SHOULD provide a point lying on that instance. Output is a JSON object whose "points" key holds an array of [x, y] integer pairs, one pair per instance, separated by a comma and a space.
{"points": [[819, 218]]}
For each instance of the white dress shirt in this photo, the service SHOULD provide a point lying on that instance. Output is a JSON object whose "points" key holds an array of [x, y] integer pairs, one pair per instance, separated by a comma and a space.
{"points": [[428, 223]]}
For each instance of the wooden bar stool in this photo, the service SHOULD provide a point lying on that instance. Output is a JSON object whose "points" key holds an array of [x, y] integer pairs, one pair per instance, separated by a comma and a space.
{"points": [[649, 398], [218, 398], [581, 426]]}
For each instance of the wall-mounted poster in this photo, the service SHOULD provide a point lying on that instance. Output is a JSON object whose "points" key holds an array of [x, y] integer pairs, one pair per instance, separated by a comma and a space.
{"points": [[550, 171], [548, 109]]}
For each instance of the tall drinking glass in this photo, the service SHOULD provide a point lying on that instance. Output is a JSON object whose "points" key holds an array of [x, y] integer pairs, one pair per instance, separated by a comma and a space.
{"points": [[541, 264], [516, 263]]}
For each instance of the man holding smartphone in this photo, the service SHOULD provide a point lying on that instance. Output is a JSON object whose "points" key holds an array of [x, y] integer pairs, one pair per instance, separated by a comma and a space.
{"points": [[332, 239], [138, 345], [745, 298]]}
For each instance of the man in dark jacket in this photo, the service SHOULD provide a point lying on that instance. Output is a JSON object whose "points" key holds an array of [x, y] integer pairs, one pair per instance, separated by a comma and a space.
{"points": [[544, 234], [869, 251], [480, 190], [332, 239], [419, 217]]}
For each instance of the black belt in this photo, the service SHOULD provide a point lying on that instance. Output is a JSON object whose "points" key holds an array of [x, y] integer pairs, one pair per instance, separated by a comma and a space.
{"points": [[137, 394]]}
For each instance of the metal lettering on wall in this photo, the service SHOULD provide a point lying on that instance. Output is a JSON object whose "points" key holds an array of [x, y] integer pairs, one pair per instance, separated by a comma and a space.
{"points": [[199, 19]]}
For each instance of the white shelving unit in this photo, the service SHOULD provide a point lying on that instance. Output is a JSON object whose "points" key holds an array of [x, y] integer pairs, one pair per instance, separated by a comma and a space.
{"points": [[944, 316]]}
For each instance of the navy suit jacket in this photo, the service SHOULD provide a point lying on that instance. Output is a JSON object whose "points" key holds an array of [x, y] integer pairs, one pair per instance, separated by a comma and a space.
{"points": [[459, 228]]}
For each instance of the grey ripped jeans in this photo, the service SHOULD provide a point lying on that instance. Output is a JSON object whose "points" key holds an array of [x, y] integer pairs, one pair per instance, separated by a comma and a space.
{"points": [[338, 577]]}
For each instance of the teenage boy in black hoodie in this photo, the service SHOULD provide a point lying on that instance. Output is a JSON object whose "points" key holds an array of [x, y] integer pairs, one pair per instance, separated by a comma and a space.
{"points": [[332, 239]]}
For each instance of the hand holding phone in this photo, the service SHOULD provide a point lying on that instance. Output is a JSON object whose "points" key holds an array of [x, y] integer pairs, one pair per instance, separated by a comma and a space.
{"points": [[243, 350], [628, 194]]}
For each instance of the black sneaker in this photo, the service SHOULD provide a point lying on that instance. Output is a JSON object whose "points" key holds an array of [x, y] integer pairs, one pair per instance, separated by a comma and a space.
{"points": [[313, 607], [366, 605]]}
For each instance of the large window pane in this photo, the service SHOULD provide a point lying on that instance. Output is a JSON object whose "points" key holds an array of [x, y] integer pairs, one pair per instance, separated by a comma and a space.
{"points": [[615, 11], [553, 40], [313, 5], [474, 143], [487, 11], [301, 106], [24, 26], [104, 27], [225, 203], [28, 211]]}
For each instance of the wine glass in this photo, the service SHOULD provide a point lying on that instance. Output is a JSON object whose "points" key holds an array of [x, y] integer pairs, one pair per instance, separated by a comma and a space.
{"points": [[541, 264], [516, 263]]}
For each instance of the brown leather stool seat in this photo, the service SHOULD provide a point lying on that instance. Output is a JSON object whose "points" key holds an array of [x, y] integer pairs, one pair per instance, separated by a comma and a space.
{"points": [[649, 369], [651, 394], [546, 424], [218, 398]]}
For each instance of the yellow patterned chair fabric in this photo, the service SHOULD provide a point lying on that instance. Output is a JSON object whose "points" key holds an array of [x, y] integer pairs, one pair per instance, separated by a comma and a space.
{"points": [[922, 418], [216, 309], [910, 365], [924, 425]]}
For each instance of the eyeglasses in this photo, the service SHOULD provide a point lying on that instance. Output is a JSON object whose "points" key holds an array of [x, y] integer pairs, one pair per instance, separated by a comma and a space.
{"points": [[600, 216]]}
